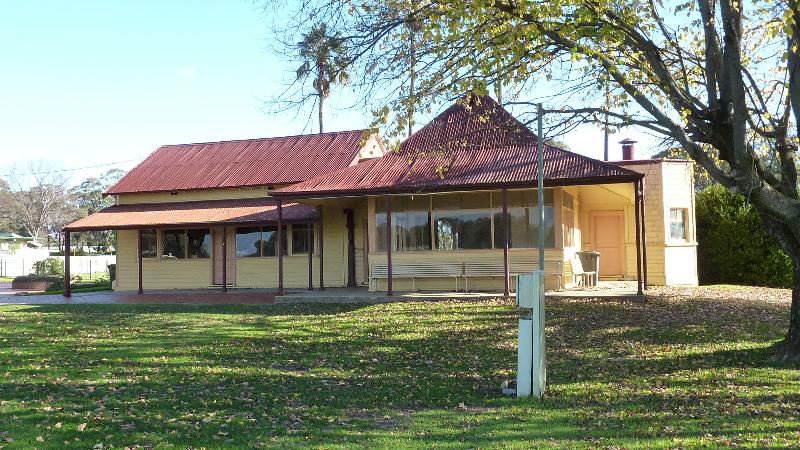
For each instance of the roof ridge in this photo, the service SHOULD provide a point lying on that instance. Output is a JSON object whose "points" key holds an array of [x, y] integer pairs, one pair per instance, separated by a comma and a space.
{"points": [[266, 138]]}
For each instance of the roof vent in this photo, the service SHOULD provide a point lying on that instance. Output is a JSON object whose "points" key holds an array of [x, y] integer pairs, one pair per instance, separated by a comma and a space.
{"points": [[627, 149]]}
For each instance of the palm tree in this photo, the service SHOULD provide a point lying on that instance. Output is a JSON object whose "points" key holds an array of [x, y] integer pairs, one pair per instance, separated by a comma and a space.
{"points": [[324, 58]]}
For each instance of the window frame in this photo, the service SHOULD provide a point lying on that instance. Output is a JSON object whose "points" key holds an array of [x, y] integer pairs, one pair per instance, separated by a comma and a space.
{"points": [[286, 248], [552, 201], [140, 251], [685, 223]]}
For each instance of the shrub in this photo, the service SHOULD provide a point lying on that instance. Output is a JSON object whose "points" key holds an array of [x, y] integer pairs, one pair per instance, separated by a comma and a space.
{"points": [[49, 266], [37, 278], [733, 246], [112, 272]]}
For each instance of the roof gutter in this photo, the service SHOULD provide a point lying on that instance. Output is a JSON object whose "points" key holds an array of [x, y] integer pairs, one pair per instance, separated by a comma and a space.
{"points": [[288, 195]]}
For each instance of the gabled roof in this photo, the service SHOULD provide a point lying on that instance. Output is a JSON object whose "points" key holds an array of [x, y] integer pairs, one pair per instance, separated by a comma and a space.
{"points": [[11, 236], [236, 211], [473, 144], [250, 162]]}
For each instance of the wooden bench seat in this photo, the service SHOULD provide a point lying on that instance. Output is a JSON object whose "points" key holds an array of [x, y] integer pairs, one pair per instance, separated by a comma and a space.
{"points": [[478, 269], [416, 270]]}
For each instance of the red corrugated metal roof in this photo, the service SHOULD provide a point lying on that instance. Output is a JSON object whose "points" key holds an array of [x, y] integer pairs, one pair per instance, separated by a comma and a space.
{"points": [[238, 211], [472, 144], [250, 162]]}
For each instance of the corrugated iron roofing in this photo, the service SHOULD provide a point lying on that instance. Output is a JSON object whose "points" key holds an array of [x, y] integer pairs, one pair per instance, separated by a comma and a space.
{"points": [[472, 144], [239, 211], [251, 162]]}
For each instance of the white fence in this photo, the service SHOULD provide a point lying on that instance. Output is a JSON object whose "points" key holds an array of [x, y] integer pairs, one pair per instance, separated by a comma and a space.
{"points": [[12, 266]]}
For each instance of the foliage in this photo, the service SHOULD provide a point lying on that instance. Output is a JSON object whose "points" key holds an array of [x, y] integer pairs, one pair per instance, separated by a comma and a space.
{"points": [[36, 200], [112, 272], [732, 244], [89, 199], [400, 375], [78, 284], [37, 278], [721, 79], [323, 60], [49, 266]]}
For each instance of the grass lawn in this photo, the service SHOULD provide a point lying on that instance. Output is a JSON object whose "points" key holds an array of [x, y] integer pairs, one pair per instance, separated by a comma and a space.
{"points": [[688, 369], [6, 279]]}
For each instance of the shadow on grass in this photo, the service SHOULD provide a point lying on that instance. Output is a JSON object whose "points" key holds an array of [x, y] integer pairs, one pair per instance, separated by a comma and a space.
{"points": [[383, 375]]}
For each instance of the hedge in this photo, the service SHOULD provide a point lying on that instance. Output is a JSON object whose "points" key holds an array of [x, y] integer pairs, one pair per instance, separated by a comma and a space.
{"points": [[733, 246], [37, 278]]}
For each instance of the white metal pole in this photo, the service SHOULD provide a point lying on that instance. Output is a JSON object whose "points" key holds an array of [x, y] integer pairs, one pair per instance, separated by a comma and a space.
{"points": [[540, 187]]}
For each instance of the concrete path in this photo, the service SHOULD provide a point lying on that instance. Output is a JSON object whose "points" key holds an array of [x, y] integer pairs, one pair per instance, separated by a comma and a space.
{"points": [[196, 297]]}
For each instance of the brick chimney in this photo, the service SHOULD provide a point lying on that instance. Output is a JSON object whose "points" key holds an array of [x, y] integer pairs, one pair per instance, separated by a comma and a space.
{"points": [[627, 149]]}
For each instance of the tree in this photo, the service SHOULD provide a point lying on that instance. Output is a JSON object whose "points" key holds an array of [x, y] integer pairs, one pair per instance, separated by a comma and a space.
{"points": [[322, 56], [719, 78], [37, 200], [89, 199]]}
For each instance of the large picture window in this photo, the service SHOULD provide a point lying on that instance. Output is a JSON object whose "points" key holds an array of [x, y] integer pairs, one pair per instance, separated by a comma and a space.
{"points": [[462, 221], [187, 244], [411, 223], [148, 243], [256, 242], [524, 220], [465, 221]]}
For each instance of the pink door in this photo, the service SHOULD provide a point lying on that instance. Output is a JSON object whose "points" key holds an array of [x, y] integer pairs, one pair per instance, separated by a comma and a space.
{"points": [[607, 235]]}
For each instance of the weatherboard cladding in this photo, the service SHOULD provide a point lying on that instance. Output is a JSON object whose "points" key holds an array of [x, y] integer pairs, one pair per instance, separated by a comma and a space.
{"points": [[238, 211], [472, 144], [251, 162]]}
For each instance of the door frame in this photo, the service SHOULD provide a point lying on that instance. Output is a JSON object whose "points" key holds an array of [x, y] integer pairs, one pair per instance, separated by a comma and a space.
{"points": [[624, 251]]}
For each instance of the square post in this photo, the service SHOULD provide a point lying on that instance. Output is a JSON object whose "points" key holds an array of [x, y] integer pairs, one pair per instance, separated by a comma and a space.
{"points": [[506, 273], [224, 258], [389, 291], [321, 253], [351, 247], [637, 208], [280, 247], [67, 277], [644, 235], [141, 290], [309, 236]]}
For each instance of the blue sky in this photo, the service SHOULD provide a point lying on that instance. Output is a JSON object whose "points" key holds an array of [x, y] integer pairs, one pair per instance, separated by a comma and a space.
{"points": [[85, 83]]}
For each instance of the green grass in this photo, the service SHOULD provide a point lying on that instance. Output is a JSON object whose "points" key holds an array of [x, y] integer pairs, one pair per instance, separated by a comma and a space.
{"points": [[674, 372], [6, 279]]}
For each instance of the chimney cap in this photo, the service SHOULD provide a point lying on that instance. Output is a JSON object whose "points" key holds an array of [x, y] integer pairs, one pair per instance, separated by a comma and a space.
{"points": [[628, 141]]}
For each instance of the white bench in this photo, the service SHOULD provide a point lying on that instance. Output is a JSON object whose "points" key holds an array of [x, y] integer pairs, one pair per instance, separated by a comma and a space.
{"points": [[479, 269], [416, 270]]}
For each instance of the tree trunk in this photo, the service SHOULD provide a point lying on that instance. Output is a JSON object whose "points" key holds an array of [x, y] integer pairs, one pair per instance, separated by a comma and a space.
{"points": [[320, 112], [788, 350]]}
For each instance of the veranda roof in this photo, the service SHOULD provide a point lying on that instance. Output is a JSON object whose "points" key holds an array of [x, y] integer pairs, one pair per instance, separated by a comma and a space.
{"points": [[474, 144], [217, 212]]}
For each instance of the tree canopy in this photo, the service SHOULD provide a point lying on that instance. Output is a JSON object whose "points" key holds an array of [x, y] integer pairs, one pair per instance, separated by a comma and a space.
{"points": [[719, 78]]}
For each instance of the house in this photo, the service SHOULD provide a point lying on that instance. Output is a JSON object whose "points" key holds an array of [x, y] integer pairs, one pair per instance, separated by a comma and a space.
{"points": [[316, 211], [14, 244]]}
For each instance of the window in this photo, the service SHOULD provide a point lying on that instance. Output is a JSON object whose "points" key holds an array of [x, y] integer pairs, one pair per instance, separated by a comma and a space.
{"points": [[256, 242], [411, 223], [183, 244], [568, 217], [147, 243], [300, 236], [462, 221], [524, 219], [677, 224], [248, 242]]}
